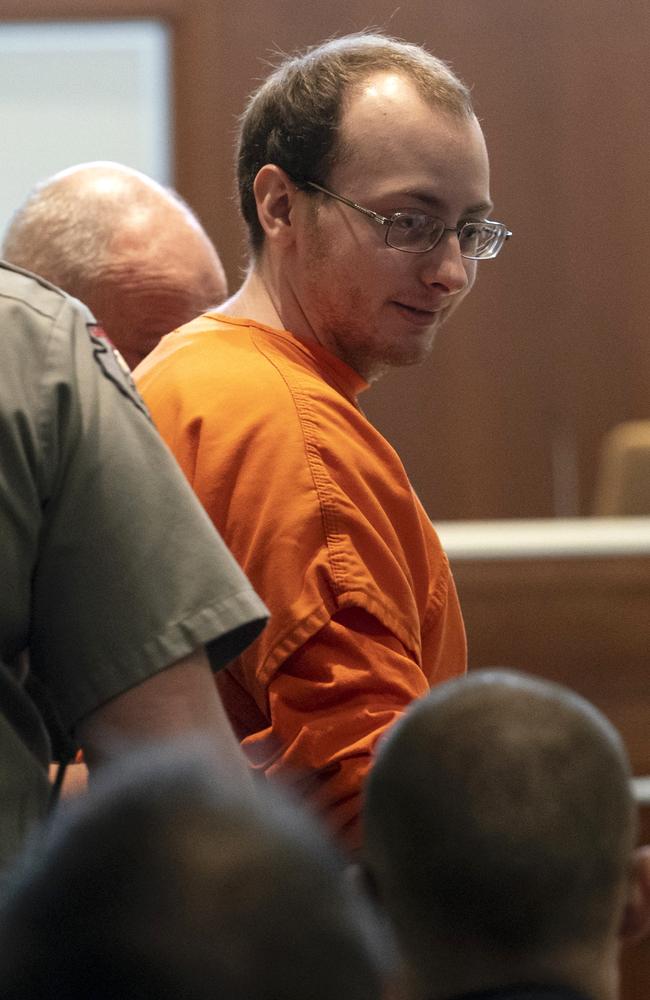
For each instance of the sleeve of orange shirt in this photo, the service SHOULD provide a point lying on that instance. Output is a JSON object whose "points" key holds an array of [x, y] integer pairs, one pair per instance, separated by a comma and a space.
{"points": [[330, 703]]}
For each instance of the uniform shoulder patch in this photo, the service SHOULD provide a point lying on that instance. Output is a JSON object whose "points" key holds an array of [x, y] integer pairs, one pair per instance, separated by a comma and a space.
{"points": [[114, 367]]}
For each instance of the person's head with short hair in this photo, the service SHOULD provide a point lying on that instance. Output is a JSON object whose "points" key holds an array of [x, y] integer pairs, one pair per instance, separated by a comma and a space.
{"points": [[128, 247], [501, 828], [364, 183], [163, 883], [293, 120]]}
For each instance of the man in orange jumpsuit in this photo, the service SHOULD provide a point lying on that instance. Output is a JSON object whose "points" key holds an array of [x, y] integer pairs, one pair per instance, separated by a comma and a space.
{"points": [[364, 182]]}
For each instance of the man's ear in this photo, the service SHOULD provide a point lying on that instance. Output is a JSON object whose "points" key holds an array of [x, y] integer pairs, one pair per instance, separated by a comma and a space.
{"points": [[635, 923], [274, 194]]}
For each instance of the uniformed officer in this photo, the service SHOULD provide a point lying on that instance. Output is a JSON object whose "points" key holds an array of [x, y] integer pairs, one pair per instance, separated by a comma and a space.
{"points": [[114, 582]]}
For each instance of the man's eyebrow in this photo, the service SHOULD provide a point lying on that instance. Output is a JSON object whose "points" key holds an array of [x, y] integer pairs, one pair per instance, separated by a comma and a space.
{"points": [[480, 208], [483, 208]]}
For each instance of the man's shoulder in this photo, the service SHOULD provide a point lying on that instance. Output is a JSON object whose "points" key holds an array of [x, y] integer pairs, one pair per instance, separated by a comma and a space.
{"points": [[44, 328], [35, 293], [204, 341], [38, 323], [251, 364]]}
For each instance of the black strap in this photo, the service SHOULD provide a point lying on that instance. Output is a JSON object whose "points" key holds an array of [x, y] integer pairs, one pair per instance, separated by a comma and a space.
{"points": [[63, 746]]}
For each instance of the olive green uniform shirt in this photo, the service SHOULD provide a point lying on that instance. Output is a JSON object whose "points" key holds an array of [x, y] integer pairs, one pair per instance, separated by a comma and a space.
{"points": [[109, 568]]}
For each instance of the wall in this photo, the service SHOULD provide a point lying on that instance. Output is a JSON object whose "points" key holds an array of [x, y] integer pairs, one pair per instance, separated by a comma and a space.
{"points": [[552, 347]]}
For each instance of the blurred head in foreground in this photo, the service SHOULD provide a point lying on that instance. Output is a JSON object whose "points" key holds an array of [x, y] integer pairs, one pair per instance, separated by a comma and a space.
{"points": [[162, 883]]}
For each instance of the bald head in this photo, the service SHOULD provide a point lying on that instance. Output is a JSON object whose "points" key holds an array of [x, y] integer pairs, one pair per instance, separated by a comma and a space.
{"points": [[132, 250], [499, 813]]}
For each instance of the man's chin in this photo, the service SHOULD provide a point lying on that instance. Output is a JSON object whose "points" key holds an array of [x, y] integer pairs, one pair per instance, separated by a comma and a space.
{"points": [[372, 361], [414, 353], [398, 359]]}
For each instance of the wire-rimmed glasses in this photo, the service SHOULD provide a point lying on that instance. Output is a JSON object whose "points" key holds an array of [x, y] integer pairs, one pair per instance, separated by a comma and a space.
{"points": [[416, 232]]}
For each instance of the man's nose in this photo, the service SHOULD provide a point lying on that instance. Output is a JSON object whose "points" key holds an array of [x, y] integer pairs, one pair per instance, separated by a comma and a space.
{"points": [[445, 267]]}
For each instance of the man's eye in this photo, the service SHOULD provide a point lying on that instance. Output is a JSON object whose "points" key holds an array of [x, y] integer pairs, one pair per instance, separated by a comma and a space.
{"points": [[407, 222], [474, 235]]}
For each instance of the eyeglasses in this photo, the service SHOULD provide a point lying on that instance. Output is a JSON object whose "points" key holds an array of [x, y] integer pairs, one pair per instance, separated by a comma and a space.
{"points": [[415, 232]]}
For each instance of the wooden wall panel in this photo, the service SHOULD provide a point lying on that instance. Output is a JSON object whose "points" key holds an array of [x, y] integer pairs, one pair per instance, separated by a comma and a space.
{"points": [[635, 959], [505, 419], [552, 346], [580, 622]]}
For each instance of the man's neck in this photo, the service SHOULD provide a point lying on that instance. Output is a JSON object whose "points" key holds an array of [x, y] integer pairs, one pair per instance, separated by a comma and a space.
{"points": [[253, 301], [584, 971], [267, 299]]}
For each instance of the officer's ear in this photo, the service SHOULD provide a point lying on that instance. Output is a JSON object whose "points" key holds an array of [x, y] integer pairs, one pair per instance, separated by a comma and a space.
{"points": [[635, 923], [275, 195]]}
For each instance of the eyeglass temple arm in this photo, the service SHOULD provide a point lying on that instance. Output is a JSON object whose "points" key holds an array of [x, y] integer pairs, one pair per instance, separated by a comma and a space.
{"points": [[352, 204]]}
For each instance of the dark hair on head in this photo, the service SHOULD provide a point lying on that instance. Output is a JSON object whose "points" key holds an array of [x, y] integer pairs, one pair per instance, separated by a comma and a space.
{"points": [[292, 119], [499, 811], [166, 881]]}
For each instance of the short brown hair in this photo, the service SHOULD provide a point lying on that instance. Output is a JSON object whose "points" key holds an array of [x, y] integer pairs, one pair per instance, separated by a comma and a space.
{"points": [[292, 119]]}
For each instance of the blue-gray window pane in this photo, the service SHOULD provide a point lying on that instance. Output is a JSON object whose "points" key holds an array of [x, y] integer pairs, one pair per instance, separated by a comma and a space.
{"points": [[77, 91]]}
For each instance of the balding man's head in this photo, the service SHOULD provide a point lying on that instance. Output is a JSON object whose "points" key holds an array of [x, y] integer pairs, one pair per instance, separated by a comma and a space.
{"points": [[132, 250], [499, 814]]}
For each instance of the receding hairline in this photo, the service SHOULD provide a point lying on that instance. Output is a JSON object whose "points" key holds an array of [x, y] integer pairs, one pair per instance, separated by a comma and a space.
{"points": [[361, 54], [291, 118], [452, 112]]}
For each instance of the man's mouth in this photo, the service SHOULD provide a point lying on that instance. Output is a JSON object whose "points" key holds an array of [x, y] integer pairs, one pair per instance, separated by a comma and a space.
{"points": [[416, 315]]}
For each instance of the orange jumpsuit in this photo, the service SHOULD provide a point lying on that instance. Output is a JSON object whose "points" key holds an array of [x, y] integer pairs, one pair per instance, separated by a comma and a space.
{"points": [[318, 510]]}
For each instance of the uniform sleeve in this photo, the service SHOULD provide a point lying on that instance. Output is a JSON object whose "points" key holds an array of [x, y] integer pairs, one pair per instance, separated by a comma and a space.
{"points": [[131, 574], [330, 703]]}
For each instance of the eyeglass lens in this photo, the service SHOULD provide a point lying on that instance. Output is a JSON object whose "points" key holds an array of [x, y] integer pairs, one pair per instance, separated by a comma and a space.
{"points": [[415, 232]]}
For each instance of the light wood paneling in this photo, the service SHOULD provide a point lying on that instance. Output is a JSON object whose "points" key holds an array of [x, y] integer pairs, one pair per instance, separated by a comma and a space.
{"points": [[582, 622]]}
